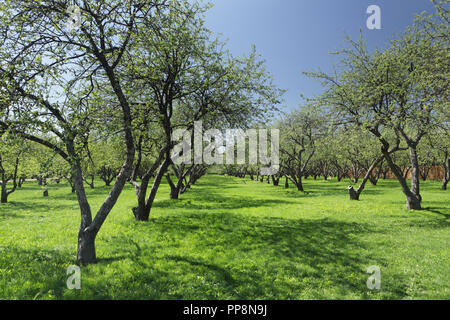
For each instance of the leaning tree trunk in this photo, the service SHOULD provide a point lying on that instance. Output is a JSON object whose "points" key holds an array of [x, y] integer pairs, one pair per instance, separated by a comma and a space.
{"points": [[412, 201], [86, 239], [446, 176], [354, 194], [174, 189]]}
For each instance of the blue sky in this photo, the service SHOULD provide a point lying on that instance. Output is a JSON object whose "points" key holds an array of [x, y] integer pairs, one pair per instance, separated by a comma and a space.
{"points": [[297, 35]]}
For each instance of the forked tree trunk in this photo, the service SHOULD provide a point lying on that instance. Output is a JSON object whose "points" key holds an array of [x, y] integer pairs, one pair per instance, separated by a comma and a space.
{"points": [[86, 239], [413, 202], [276, 181], [174, 189], [142, 211], [354, 194]]}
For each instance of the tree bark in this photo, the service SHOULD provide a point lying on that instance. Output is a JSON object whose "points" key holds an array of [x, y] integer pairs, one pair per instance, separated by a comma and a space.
{"points": [[300, 184], [4, 194], [412, 202], [142, 211], [354, 194], [174, 190], [86, 237], [446, 176], [415, 172], [276, 181]]}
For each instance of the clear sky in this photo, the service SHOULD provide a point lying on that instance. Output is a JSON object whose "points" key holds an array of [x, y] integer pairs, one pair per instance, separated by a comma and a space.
{"points": [[297, 35]]}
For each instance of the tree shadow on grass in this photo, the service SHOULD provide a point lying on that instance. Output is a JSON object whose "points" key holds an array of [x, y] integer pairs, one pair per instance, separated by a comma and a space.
{"points": [[212, 201], [40, 207], [33, 273], [438, 211], [6, 215], [240, 257], [324, 190], [212, 256]]}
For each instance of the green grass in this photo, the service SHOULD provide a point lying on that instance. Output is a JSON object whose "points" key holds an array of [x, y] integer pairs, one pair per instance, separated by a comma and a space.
{"points": [[227, 239]]}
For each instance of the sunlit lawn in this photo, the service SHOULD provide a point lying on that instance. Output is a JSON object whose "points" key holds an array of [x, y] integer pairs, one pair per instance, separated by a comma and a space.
{"points": [[229, 238]]}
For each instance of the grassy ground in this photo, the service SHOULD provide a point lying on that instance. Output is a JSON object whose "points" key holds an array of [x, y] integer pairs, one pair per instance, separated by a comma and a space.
{"points": [[230, 239]]}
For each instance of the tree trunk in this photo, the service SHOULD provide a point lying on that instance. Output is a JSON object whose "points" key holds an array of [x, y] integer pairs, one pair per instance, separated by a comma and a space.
{"points": [[86, 248], [412, 202], [174, 190], [4, 193], [142, 211], [446, 176], [415, 173], [300, 184], [286, 183], [275, 181], [86, 238], [353, 194], [45, 192], [444, 184]]}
